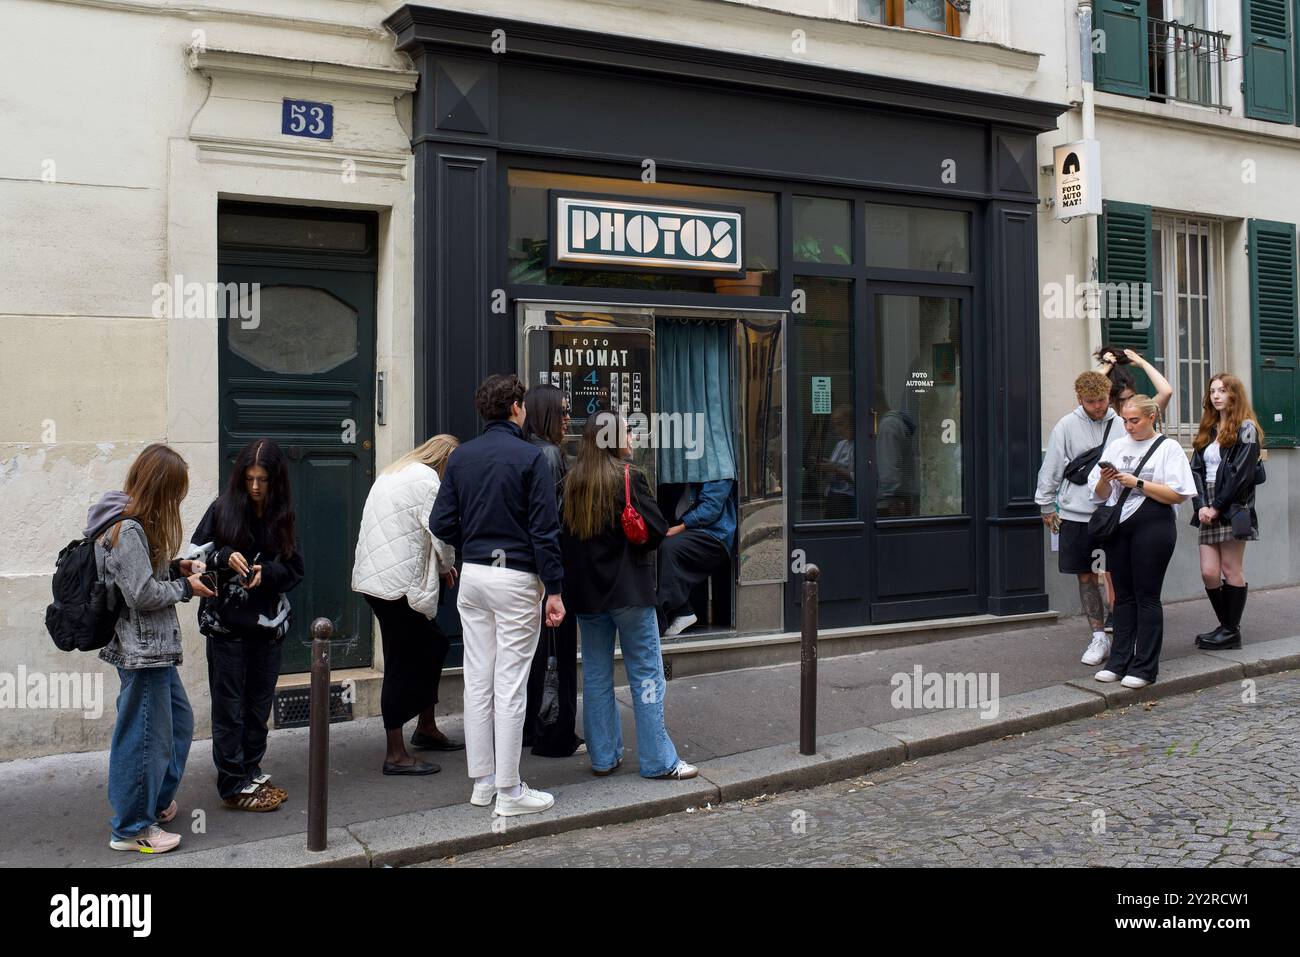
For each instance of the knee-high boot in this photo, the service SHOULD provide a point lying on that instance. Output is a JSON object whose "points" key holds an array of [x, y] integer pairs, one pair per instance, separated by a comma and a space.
{"points": [[1216, 602], [1234, 604]]}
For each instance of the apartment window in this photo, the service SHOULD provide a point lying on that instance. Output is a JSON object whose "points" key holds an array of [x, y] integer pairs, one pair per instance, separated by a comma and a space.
{"points": [[1186, 319], [1163, 50], [938, 16]]}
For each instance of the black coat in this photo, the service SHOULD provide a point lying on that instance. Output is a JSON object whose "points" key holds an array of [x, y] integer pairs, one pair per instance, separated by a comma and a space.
{"points": [[607, 572], [1235, 483]]}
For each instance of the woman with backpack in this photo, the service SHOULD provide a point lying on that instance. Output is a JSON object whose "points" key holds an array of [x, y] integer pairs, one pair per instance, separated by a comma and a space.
{"points": [[1225, 463], [397, 568], [151, 739], [248, 537], [609, 585], [548, 418]]}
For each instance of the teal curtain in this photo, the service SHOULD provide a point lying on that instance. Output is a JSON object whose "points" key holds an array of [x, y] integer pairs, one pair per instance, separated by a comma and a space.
{"points": [[694, 376]]}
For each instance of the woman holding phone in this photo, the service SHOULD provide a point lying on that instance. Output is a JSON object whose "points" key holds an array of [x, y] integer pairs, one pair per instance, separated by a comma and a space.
{"points": [[248, 538], [151, 740], [1153, 477]]}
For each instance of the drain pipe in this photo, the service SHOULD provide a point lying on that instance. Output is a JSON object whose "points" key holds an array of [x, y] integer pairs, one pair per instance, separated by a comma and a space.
{"points": [[1091, 224]]}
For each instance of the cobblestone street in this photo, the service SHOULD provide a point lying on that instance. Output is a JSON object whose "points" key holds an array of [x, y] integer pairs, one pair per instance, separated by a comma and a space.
{"points": [[1206, 779]]}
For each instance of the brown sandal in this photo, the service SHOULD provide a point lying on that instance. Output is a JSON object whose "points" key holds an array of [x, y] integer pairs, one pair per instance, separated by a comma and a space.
{"points": [[255, 797]]}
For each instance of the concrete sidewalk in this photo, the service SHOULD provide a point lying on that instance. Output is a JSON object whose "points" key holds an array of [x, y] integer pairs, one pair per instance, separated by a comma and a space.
{"points": [[739, 726]]}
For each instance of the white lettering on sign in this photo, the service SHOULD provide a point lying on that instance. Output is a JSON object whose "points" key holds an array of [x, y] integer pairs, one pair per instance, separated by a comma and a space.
{"points": [[678, 237]]}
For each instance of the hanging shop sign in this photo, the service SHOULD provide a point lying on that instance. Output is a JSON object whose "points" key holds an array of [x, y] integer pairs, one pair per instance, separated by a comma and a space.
{"points": [[1078, 179], [623, 233], [597, 368]]}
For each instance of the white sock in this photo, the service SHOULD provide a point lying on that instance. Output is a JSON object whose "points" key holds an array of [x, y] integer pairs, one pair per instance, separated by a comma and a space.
{"points": [[513, 792], [486, 779], [1098, 634]]}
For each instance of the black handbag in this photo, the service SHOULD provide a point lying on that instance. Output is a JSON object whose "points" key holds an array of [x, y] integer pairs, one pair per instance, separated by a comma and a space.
{"points": [[548, 712], [1077, 469], [1242, 527], [1104, 522]]}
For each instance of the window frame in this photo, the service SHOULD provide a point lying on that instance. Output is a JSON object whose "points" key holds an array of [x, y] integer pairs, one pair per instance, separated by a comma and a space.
{"points": [[895, 16]]}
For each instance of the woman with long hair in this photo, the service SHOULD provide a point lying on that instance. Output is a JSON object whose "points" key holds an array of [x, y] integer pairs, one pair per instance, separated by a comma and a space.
{"points": [[609, 585], [248, 538], [1151, 477], [151, 739], [548, 418], [1224, 456], [398, 566]]}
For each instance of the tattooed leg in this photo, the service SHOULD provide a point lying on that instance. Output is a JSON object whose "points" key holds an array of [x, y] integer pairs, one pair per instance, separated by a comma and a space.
{"points": [[1094, 602]]}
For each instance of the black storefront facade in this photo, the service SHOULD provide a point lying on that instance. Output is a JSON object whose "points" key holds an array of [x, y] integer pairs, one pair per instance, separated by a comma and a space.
{"points": [[833, 274]]}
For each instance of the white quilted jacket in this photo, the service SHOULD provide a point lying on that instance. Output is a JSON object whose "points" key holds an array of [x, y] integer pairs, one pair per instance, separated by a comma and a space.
{"points": [[397, 556]]}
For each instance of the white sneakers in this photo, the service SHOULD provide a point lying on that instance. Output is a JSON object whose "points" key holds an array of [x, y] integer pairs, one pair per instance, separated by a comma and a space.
{"points": [[679, 624], [1133, 681], [528, 802], [1099, 650], [1106, 676], [152, 840], [483, 795], [679, 772]]}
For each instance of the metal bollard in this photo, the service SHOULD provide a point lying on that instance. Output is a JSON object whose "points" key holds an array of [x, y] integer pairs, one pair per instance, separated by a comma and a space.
{"points": [[318, 766], [808, 664]]}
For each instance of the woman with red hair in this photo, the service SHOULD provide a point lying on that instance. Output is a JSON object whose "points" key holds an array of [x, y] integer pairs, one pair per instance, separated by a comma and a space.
{"points": [[1225, 460]]}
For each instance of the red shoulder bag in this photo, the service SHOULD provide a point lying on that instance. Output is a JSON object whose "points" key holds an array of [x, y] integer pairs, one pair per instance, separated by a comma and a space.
{"points": [[633, 524]]}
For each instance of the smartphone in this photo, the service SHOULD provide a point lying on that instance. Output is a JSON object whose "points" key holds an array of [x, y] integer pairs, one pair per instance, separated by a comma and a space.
{"points": [[1107, 465]]}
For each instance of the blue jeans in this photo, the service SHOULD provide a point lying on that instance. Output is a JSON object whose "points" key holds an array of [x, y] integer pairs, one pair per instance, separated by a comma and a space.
{"points": [[151, 742], [638, 636]]}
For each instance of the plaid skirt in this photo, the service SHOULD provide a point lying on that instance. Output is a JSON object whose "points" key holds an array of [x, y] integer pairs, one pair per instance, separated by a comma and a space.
{"points": [[1216, 533]]}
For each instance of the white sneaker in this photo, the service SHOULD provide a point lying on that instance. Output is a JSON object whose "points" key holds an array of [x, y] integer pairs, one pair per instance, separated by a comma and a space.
{"points": [[528, 802], [679, 624], [1098, 651], [483, 794], [1106, 676], [152, 840], [680, 772], [1133, 681]]}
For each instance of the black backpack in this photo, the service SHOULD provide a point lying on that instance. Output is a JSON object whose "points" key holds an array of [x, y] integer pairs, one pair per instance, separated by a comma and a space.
{"points": [[79, 618]]}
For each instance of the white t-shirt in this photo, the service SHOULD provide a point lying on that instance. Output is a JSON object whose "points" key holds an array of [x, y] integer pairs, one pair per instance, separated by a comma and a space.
{"points": [[1168, 466], [1213, 459]]}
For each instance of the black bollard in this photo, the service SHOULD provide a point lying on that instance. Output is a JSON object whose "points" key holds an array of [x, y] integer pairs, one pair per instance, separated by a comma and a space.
{"points": [[808, 664], [318, 767]]}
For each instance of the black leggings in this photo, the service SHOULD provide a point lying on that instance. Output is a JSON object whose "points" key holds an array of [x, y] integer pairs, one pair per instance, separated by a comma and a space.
{"points": [[1137, 557], [414, 651]]}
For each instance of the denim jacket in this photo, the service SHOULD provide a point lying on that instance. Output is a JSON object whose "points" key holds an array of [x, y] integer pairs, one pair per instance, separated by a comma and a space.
{"points": [[148, 633]]}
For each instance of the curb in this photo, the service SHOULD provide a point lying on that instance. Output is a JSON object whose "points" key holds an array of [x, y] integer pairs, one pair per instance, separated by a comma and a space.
{"points": [[449, 831]]}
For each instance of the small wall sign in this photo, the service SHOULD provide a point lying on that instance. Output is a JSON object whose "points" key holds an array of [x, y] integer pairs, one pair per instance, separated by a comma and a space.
{"points": [[622, 233], [306, 118], [1078, 179], [821, 395]]}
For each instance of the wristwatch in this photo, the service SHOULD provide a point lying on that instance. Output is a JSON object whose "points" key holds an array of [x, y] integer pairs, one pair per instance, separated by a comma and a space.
{"points": [[1140, 485]]}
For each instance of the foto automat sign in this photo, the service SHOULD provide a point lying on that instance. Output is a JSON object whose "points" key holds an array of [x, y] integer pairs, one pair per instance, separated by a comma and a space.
{"points": [[626, 233], [1078, 179]]}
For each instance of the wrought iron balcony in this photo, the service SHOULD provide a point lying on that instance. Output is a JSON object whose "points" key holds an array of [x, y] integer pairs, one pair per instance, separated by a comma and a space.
{"points": [[1186, 64]]}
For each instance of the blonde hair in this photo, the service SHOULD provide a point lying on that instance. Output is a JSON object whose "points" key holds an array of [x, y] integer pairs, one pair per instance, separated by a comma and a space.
{"points": [[433, 453], [1146, 406]]}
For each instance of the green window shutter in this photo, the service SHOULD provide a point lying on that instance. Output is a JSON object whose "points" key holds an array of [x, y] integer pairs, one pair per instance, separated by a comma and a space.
{"points": [[1127, 313], [1269, 73], [1120, 44], [1275, 338]]}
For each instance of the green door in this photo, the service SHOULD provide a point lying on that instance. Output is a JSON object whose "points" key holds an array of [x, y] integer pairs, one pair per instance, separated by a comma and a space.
{"points": [[296, 364]]}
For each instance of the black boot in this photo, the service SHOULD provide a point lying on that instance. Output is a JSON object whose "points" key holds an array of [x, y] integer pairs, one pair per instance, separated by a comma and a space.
{"points": [[1234, 603], [1216, 602]]}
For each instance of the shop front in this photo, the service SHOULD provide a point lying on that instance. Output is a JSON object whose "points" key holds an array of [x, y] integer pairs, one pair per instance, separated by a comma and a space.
{"points": [[815, 285]]}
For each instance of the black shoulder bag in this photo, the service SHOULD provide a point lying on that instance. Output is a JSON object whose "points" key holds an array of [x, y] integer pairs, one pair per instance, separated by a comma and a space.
{"points": [[1077, 469], [1105, 521]]}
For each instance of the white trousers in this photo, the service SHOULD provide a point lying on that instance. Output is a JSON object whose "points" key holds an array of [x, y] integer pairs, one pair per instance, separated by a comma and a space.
{"points": [[500, 613]]}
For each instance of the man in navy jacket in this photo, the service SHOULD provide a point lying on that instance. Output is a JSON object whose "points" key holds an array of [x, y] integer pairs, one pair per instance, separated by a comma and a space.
{"points": [[496, 505]]}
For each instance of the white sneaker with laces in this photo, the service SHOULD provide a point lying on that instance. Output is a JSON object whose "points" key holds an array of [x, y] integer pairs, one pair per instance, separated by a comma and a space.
{"points": [[1133, 681], [528, 802], [679, 624], [1098, 651], [152, 840], [483, 794], [1106, 676], [679, 773]]}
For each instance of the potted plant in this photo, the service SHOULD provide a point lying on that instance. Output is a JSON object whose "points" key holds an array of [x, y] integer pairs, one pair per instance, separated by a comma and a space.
{"points": [[750, 285]]}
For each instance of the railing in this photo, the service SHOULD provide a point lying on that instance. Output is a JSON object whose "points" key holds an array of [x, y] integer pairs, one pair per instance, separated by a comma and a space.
{"points": [[1187, 63]]}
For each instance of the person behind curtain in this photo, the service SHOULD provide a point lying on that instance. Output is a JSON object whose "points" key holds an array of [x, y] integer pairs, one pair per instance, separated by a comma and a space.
{"points": [[248, 537], [694, 548], [1067, 507], [1225, 452], [1139, 552], [497, 506], [610, 587], [155, 724], [548, 418], [397, 567]]}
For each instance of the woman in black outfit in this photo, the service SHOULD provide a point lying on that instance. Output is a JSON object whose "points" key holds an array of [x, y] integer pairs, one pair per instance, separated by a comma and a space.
{"points": [[547, 421], [250, 545], [1225, 453]]}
